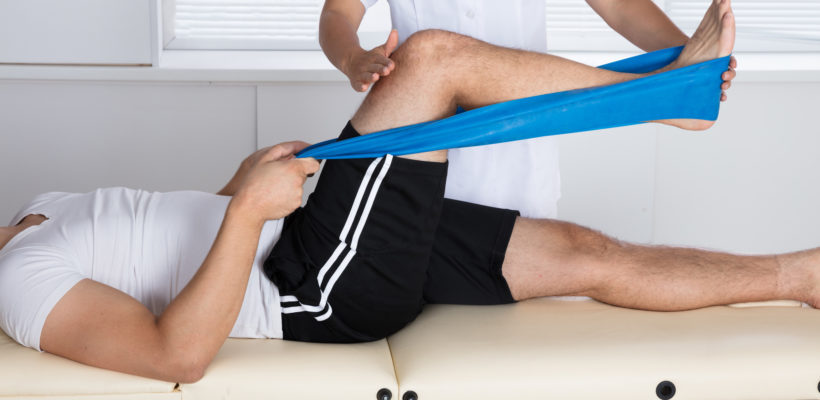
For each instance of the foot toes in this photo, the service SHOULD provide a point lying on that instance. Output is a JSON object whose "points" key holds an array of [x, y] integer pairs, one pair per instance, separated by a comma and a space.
{"points": [[724, 6]]}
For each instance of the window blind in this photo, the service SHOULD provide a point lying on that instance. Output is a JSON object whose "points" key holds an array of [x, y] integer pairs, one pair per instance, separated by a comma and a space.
{"points": [[762, 25], [246, 24], [572, 25]]}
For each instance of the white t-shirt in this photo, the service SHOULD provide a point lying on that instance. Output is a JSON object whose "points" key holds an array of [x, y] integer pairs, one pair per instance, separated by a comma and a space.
{"points": [[148, 245], [520, 175]]}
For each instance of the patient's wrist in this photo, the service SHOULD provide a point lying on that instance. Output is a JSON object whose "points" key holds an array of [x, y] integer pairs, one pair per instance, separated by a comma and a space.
{"points": [[349, 60], [242, 209]]}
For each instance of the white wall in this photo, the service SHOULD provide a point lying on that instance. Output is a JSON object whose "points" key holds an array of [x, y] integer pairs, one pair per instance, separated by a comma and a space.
{"points": [[79, 136], [749, 184], [76, 31]]}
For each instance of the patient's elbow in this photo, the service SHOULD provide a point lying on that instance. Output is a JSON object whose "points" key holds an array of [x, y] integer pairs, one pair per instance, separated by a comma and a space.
{"points": [[186, 373], [190, 375], [184, 368]]}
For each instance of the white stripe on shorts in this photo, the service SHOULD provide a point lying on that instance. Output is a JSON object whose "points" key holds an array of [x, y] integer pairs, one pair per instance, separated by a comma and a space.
{"points": [[351, 251]]}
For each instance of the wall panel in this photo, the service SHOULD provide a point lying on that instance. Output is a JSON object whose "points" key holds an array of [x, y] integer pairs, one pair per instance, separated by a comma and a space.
{"points": [[749, 184], [608, 181], [75, 31], [79, 136]]}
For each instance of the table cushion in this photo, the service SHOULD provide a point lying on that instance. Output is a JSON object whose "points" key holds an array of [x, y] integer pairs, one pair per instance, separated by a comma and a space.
{"points": [[247, 369], [547, 348], [29, 373]]}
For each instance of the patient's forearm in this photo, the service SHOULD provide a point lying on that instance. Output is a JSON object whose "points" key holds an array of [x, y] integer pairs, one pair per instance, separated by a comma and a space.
{"points": [[197, 322]]}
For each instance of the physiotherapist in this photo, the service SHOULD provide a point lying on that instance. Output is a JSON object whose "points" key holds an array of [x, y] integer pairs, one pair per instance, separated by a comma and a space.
{"points": [[520, 175]]}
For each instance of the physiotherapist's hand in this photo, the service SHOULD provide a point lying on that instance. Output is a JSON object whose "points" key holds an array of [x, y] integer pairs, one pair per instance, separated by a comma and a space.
{"points": [[727, 76], [364, 68], [272, 187]]}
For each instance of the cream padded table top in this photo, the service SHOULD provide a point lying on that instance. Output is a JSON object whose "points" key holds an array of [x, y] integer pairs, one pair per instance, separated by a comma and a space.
{"points": [[248, 369], [26, 372], [552, 349], [537, 349], [243, 369]]}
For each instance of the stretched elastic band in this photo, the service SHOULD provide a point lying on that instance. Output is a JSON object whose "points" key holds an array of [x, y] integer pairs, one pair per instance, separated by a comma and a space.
{"points": [[689, 92]]}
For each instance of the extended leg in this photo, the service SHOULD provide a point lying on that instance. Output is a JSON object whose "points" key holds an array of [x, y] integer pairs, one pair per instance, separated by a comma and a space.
{"points": [[550, 258], [437, 70]]}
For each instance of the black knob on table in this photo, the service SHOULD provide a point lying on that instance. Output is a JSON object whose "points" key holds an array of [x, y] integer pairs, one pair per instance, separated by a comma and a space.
{"points": [[665, 390], [384, 394], [410, 395]]}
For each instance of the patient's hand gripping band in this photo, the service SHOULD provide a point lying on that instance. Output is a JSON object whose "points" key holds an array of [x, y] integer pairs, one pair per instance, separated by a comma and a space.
{"points": [[689, 92]]}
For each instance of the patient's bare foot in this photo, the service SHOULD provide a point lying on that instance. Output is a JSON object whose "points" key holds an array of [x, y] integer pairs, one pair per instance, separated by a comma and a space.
{"points": [[714, 38]]}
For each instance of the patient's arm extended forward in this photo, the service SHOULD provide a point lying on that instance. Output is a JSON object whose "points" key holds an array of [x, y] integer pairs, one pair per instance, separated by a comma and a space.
{"points": [[98, 325]]}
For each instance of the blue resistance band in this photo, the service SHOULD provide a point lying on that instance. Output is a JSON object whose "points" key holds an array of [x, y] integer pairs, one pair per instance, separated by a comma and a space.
{"points": [[688, 92]]}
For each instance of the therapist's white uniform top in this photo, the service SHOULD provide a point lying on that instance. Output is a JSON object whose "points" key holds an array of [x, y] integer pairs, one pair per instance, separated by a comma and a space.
{"points": [[520, 175]]}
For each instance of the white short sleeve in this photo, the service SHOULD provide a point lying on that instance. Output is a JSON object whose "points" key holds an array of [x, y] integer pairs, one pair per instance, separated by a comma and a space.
{"points": [[32, 281], [369, 3]]}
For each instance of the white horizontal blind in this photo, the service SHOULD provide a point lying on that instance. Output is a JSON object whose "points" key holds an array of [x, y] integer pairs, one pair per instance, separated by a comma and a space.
{"points": [[261, 24], [762, 25], [572, 25], [246, 24]]}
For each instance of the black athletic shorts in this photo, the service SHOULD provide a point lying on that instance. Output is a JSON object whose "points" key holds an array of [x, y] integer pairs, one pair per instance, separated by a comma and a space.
{"points": [[375, 242]]}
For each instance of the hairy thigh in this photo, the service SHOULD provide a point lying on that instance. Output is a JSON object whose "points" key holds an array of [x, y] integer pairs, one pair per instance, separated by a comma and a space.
{"points": [[554, 258], [101, 326]]}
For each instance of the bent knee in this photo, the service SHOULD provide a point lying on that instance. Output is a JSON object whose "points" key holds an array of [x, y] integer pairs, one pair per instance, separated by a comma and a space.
{"points": [[428, 37], [428, 47]]}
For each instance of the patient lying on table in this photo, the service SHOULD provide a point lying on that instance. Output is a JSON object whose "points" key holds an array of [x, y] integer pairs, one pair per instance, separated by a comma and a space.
{"points": [[153, 283]]}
